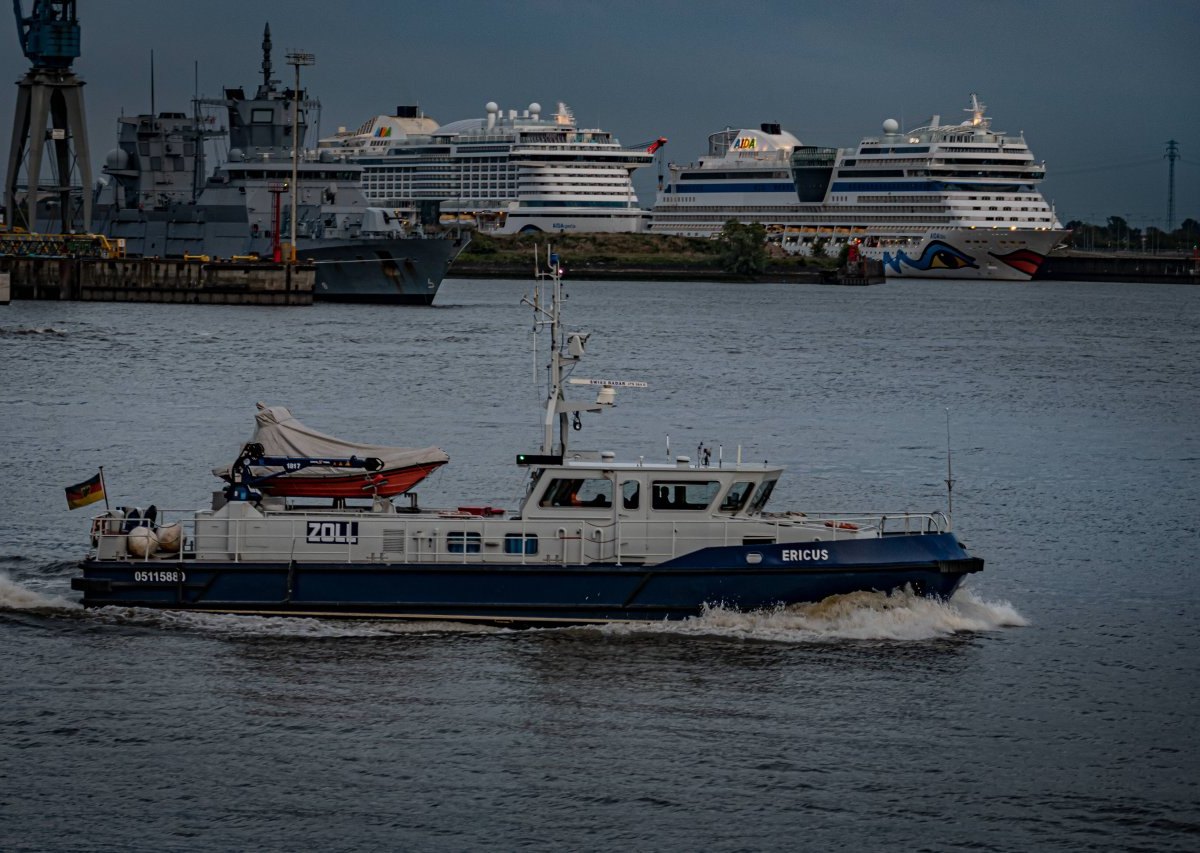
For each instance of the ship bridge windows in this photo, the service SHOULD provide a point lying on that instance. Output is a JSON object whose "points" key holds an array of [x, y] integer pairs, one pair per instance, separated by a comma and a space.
{"points": [[870, 173], [760, 499], [737, 496], [740, 175], [683, 494], [584, 491], [898, 149]]}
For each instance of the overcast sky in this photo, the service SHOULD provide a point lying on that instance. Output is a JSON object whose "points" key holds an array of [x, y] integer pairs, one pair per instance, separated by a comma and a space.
{"points": [[1097, 87]]}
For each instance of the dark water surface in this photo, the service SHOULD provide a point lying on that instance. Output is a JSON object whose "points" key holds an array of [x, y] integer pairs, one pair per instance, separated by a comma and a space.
{"points": [[1052, 705]]}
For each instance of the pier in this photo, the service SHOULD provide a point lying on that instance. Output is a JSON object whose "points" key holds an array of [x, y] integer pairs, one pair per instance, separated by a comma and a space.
{"points": [[195, 280], [1137, 269]]}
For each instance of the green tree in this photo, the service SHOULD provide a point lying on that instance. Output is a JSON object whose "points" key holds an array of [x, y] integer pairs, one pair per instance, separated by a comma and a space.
{"points": [[743, 248]]}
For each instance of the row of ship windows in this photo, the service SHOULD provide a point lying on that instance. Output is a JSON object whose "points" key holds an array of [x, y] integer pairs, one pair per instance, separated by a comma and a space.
{"points": [[891, 207], [1031, 198], [1037, 201], [936, 173], [613, 186], [603, 172], [560, 198], [938, 161], [469, 158], [760, 216]]}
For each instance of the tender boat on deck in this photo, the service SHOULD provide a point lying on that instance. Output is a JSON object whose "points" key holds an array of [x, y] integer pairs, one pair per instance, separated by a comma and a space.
{"points": [[281, 434], [595, 539]]}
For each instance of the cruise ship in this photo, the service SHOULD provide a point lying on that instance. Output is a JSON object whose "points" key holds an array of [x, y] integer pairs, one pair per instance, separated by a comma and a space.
{"points": [[941, 200], [509, 172]]}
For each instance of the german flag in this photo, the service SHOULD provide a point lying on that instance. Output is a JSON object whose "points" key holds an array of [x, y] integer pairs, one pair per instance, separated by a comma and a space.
{"points": [[87, 492]]}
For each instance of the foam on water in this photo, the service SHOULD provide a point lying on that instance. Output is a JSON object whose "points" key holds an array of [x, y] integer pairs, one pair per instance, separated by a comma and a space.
{"points": [[901, 616], [14, 596]]}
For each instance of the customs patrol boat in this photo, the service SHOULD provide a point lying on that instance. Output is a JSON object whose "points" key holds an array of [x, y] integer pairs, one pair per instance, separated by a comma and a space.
{"points": [[594, 539], [954, 200], [158, 203]]}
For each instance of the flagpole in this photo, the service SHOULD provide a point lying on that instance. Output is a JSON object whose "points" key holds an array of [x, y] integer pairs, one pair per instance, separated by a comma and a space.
{"points": [[104, 489]]}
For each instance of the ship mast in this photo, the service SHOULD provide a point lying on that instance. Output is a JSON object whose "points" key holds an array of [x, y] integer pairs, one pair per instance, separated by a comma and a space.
{"points": [[564, 351]]}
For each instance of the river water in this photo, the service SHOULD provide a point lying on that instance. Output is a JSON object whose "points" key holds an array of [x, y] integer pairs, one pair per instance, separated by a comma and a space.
{"points": [[1050, 705]]}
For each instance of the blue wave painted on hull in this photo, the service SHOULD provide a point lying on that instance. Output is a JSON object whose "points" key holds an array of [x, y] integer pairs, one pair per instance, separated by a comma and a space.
{"points": [[937, 255], [743, 577]]}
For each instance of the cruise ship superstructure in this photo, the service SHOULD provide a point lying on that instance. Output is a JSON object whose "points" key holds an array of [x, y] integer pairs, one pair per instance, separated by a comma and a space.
{"points": [[942, 200], [509, 172]]}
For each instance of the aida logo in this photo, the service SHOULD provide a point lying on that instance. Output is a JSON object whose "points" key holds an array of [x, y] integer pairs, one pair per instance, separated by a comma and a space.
{"points": [[937, 256], [745, 143]]}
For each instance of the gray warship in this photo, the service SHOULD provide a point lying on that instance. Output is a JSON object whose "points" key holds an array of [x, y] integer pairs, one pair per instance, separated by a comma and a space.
{"points": [[157, 200]]}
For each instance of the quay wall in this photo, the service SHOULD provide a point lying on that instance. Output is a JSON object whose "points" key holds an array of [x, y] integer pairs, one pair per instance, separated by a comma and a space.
{"points": [[159, 280], [1125, 268]]}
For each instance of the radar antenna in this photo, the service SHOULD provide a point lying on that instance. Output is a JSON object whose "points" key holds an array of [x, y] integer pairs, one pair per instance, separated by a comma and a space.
{"points": [[977, 109]]}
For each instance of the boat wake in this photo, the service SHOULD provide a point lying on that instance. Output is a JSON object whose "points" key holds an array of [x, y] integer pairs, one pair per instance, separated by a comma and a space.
{"points": [[901, 616], [14, 596]]}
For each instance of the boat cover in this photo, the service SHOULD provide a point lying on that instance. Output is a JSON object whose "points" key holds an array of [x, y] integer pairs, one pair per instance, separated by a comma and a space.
{"points": [[281, 434]]}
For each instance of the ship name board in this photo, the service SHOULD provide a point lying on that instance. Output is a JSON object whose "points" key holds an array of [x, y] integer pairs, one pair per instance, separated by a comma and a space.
{"points": [[793, 555]]}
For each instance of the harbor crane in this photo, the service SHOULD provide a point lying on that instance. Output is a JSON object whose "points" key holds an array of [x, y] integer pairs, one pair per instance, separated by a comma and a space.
{"points": [[49, 114]]}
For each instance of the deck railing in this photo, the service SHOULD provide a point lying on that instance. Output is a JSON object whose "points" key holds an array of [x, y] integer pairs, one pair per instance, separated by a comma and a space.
{"points": [[364, 537]]}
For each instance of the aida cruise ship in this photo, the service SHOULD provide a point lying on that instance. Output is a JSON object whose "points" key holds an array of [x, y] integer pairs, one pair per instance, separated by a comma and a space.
{"points": [[943, 200], [506, 173]]}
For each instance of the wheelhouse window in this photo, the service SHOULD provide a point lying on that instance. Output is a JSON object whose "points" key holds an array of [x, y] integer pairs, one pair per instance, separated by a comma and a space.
{"points": [[585, 491], [520, 543], [760, 500], [683, 495], [631, 494], [737, 496], [462, 542]]}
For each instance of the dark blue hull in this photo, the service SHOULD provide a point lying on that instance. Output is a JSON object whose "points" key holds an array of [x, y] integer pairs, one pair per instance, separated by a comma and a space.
{"points": [[932, 565]]}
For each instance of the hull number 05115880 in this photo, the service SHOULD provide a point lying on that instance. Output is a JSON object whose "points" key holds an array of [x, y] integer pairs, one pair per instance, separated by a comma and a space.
{"points": [[160, 576]]}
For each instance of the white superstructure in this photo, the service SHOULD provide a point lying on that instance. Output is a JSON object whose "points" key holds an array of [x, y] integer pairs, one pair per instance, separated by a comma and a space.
{"points": [[956, 200], [507, 172]]}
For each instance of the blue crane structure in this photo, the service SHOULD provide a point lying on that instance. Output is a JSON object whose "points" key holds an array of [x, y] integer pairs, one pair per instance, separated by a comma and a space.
{"points": [[49, 114]]}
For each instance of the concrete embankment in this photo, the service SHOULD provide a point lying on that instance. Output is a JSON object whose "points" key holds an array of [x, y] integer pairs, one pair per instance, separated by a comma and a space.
{"points": [[1178, 269]]}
